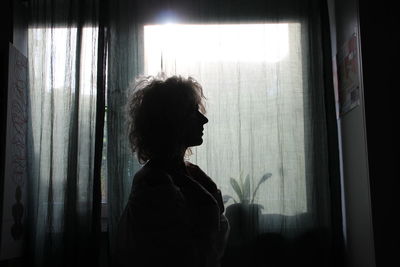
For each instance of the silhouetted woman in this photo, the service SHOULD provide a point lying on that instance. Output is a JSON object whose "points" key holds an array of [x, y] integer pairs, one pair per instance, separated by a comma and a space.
{"points": [[174, 213]]}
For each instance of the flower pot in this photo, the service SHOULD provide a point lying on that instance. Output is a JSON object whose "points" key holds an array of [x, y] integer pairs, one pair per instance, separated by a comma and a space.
{"points": [[244, 223]]}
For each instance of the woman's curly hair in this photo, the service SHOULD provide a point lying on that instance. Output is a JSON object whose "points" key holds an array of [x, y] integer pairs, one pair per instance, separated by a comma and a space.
{"points": [[157, 110]]}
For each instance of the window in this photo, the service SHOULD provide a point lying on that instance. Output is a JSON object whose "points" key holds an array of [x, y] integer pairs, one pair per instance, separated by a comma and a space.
{"points": [[254, 83], [253, 79]]}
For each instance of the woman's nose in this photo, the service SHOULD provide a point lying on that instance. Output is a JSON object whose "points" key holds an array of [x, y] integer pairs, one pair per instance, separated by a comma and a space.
{"points": [[203, 118]]}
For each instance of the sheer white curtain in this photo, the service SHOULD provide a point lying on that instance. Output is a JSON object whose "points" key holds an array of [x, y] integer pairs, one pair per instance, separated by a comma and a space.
{"points": [[253, 76], [63, 93]]}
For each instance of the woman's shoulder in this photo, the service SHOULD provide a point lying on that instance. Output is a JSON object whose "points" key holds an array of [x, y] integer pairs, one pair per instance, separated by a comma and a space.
{"points": [[153, 177], [201, 177], [154, 187], [196, 171]]}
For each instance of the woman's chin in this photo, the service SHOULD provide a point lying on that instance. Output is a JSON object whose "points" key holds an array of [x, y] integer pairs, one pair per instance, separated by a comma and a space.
{"points": [[196, 142]]}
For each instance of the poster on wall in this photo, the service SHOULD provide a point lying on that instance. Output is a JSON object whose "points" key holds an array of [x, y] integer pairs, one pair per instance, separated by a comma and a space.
{"points": [[348, 75], [15, 171]]}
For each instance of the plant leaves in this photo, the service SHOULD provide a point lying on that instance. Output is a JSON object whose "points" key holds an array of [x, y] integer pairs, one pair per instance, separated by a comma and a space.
{"points": [[237, 189], [246, 189], [262, 180], [225, 198], [241, 179]]}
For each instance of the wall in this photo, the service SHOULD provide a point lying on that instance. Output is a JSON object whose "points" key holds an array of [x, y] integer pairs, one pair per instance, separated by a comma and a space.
{"points": [[20, 26], [360, 251], [14, 30], [370, 134], [5, 38], [379, 26]]}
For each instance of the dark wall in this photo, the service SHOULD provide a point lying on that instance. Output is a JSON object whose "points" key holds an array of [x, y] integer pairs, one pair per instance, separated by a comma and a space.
{"points": [[379, 25], [14, 18], [5, 38], [20, 26]]}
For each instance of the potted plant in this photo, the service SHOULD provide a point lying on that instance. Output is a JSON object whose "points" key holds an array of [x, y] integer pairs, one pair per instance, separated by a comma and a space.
{"points": [[244, 214]]}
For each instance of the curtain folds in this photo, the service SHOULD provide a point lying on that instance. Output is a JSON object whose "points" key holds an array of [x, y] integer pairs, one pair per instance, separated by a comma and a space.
{"points": [[125, 62], [269, 103], [64, 188], [265, 71]]}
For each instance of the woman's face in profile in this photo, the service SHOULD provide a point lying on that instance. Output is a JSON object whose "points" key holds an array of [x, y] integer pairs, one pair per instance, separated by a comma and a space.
{"points": [[194, 128]]}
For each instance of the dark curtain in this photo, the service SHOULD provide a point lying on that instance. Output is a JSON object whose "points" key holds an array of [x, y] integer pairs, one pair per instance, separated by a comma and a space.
{"points": [[66, 102], [124, 64]]}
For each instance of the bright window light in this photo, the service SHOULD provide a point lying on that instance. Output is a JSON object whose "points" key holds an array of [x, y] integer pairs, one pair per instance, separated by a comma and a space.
{"points": [[215, 43]]}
